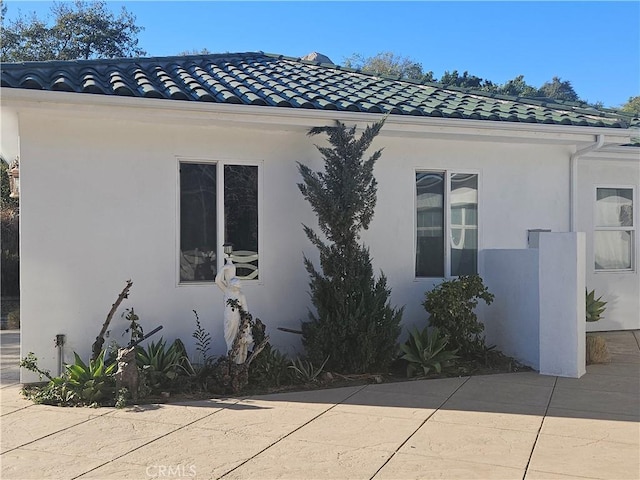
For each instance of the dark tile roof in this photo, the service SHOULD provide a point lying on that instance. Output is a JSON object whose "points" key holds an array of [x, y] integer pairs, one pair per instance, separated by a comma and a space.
{"points": [[273, 80]]}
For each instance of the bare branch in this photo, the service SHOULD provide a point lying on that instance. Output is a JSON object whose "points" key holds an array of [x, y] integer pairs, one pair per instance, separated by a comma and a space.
{"points": [[96, 348]]}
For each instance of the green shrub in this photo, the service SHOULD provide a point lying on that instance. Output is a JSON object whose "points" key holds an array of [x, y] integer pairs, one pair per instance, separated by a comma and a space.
{"points": [[426, 352], [353, 324], [450, 306], [270, 369], [594, 307]]}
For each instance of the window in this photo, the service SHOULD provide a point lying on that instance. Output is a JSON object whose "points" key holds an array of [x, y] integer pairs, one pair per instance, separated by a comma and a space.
{"points": [[201, 232], [614, 229], [446, 224]]}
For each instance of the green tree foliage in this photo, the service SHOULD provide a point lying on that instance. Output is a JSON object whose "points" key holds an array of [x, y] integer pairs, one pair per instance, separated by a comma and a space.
{"points": [[632, 106], [389, 64], [354, 326], [559, 90], [517, 87], [80, 30], [454, 79]]}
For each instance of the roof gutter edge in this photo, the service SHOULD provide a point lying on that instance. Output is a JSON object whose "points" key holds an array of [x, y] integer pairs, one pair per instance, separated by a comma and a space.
{"points": [[254, 114]]}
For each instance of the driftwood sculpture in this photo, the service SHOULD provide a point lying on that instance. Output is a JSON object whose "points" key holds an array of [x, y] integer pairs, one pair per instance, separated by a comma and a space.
{"points": [[127, 374], [96, 348]]}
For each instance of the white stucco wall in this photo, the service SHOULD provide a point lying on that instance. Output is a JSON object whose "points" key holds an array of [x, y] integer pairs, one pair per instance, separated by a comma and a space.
{"points": [[562, 306], [621, 290], [513, 277], [99, 206], [538, 313], [520, 187]]}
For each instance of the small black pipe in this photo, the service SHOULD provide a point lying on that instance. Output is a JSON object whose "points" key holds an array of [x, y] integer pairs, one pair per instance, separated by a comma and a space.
{"points": [[137, 342], [59, 343]]}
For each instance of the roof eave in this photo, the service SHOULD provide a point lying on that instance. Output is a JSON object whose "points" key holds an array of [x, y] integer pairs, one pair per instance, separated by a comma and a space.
{"points": [[162, 110]]}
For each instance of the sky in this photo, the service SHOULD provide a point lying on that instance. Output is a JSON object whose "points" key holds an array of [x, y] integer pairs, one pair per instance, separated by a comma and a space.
{"points": [[594, 45]]}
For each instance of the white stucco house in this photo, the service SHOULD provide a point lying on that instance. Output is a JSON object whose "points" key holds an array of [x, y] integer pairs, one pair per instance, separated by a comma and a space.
{"points": [[143, 168]]}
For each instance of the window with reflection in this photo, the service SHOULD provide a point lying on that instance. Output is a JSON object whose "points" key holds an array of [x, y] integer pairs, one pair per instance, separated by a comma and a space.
{"points": [[614, 229], [430, 224], [463, 203], [446, 224], [200, 240], [241, 217]]}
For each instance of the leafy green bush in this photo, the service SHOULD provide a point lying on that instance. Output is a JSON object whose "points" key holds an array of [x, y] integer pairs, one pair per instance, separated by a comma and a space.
{"points": [[450, 306], [270, 369], [426, 351], [353, 323], [594, 307]]}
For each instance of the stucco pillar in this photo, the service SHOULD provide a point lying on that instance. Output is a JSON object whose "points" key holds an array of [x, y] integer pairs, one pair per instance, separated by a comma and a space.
{"points": [[562, 304]]}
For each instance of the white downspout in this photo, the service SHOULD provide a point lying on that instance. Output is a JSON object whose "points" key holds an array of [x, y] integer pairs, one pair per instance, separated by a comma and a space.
{"points": [[573, 178]]}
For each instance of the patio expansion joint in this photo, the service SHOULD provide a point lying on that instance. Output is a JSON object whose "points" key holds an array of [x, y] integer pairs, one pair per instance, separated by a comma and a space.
{"points": [[178, 428], [291, 432], [544, 417], [419, 427], [52, 433], [573, 475], [18, 409]]}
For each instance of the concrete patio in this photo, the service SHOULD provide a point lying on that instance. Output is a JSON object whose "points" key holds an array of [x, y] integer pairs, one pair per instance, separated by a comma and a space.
{"points": [[511, 426]]}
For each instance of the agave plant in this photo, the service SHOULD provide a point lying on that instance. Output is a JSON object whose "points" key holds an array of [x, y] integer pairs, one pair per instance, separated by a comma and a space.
{"points": [[90, 383], [305, 371], [426, 351], [80, 384], [160, 364], [595, 307]]}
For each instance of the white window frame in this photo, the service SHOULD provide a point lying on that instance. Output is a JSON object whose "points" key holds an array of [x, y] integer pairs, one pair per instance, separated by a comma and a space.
{"points": [[220, 232], [447, 217], [631, 229]]}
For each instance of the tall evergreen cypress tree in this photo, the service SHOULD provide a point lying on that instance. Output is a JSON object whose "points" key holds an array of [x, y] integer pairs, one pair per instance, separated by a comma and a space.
{"points": [[354, 325]]}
